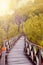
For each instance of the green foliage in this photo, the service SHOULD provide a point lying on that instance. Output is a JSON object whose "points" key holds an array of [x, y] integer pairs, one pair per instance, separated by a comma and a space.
{"points": [[13, 30], [2, 36], [33, 28], [7, 31]]}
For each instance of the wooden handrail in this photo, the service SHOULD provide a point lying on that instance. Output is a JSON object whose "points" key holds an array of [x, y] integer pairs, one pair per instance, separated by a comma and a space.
{"points": [[40, 47], [5, 52]]}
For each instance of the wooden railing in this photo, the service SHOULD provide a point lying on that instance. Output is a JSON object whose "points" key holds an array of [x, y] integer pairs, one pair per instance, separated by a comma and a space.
{"points": [[34, 49], [8, 45]]}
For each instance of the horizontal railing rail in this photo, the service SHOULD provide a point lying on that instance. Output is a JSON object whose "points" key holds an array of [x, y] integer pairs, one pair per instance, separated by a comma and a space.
{"points": [[33, 50], [40, 47], [8, 45]]}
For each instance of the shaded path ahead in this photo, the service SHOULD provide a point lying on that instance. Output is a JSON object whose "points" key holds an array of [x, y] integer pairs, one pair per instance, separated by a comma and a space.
{"points": [[16, 55]]}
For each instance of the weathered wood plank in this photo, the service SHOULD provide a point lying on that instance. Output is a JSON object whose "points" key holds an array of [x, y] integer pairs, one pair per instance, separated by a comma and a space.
{"points": [[16, 55]]}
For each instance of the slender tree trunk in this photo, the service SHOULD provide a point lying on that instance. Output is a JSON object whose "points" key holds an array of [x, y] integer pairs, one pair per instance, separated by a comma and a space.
{"points": [[19, 28]]}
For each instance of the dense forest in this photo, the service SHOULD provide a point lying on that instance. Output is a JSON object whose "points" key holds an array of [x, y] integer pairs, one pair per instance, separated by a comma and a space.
{"points": [[28, 19], [33, 28]]}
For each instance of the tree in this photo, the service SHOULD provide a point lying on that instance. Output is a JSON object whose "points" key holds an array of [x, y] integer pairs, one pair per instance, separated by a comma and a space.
{"points": [[33, 28]]}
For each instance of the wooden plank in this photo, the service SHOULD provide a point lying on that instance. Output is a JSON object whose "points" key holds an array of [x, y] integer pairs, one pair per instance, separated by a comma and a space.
{"points": [[17, 56]]}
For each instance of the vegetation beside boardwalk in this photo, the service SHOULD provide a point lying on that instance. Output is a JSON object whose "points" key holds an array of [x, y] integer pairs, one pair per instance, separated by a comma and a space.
{"points": [[33, 28], [7, 34], [27, 19]]}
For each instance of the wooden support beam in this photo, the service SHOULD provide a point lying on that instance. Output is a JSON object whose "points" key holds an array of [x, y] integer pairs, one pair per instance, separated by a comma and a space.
{"points": [[3, 58]]}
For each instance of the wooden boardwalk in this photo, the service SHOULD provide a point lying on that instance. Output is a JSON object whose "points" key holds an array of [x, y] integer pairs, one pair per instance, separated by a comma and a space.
{"points": [[17, 56]]}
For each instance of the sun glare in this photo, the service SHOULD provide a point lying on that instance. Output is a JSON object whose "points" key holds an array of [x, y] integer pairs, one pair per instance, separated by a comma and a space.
{"points": [[10, 12], [4, 6]]}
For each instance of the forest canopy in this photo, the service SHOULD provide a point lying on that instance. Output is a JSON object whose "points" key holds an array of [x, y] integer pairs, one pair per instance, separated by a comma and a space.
{"points": [[27, 14]]}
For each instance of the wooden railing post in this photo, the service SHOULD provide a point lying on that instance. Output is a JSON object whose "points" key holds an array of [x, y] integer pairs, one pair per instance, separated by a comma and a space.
{"points": [[3, 54], [3, 58], [39, 55]]}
